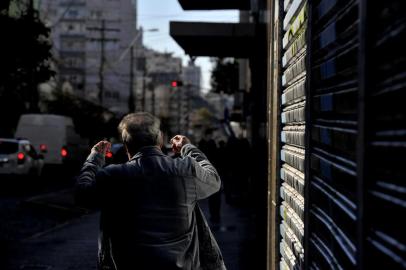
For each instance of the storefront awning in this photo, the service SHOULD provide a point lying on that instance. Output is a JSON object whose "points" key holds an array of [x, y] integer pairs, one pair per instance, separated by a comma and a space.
{"points": [[215, 4], [216, 39]]}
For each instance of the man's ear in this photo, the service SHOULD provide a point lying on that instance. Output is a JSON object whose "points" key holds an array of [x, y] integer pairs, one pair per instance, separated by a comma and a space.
{"points": [[160, 139]]}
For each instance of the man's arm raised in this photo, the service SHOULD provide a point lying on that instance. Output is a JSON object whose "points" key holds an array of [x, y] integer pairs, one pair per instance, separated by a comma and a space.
{"points": [[208, 180], [85, 191]]}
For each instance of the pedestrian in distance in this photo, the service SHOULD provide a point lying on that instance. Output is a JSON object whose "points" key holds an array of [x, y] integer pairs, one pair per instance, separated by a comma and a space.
{"points": [[150, 218], [208, 146]]}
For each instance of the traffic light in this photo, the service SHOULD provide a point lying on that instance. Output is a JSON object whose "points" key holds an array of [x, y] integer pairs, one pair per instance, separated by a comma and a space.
{"points": [[176, 83]]}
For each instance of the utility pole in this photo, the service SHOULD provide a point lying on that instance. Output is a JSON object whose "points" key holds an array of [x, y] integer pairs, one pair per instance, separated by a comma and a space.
{"points": [[102, 41], [188, 106], [153, 100], [131, 101], [142, 65], [143, 90], [179, 109]]}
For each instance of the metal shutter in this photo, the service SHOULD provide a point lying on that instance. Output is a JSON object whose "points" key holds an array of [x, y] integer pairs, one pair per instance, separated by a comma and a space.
{"points": [[292, 139], [385, 186], [332, 167]]}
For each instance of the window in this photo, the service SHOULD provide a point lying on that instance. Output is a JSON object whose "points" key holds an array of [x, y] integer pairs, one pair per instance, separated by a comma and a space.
{"points": [[96, 14], [8, 147], [73, 13]]}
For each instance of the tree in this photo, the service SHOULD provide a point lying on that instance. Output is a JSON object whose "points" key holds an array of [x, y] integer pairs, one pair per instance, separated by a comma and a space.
{"points": [[224, 76], [25, 55]]}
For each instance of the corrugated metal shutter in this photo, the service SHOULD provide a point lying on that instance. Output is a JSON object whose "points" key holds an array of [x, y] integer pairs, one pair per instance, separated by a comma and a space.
{"points": [[293, 134], [385, 186], [333, 97]]}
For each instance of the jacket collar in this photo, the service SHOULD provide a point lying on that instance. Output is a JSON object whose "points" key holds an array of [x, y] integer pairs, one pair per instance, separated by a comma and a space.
{"points": [[148, 151]]}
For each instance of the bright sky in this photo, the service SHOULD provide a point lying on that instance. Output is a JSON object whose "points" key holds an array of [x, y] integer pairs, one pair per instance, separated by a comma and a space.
{"points": [[158, 13]]}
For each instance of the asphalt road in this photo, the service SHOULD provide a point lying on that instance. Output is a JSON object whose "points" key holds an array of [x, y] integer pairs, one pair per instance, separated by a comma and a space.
{"points": [[73, 244], [21, 216]]}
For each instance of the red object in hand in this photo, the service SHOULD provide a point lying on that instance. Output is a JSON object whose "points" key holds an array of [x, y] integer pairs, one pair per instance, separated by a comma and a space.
{"points": [[109, 154]]}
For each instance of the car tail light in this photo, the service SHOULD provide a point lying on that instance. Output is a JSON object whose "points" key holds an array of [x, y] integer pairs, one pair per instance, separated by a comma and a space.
{"points": [[64, 152], [109, 154], [20, 158], [43, 148]]}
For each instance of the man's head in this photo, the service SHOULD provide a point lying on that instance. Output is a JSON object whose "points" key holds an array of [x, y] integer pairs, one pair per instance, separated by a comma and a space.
{"points": [[138, 130]]}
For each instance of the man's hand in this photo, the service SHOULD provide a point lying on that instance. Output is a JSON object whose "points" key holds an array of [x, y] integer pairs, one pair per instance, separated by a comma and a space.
{"points": [[101, 147], [178, 142]]}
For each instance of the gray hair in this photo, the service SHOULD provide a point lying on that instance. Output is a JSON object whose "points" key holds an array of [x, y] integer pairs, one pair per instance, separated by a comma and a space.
{"points": [[140, 129]]}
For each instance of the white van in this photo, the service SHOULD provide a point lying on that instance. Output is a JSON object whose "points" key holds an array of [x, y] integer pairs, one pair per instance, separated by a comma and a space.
{"points": [[54, 136]]}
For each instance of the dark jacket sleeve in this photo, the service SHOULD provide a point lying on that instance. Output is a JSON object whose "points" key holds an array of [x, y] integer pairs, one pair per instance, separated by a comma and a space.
{"points": [[207, 179], [87, 187]]}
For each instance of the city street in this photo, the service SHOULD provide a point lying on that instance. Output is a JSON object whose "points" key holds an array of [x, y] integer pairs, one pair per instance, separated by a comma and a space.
{"points": [[71, 243], [26, 211], [297, 106]]}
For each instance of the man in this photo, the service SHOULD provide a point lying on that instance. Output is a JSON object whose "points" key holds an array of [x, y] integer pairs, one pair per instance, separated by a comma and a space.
{"points": [[148, 216]]}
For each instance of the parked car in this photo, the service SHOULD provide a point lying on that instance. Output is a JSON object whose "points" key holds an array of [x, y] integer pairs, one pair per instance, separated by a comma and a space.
{"points": [[19, 157], [54, 136]]}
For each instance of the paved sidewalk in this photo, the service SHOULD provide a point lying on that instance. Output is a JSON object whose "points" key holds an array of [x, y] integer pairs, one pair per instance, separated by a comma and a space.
{"points": [[74, 245], [235, 235]]}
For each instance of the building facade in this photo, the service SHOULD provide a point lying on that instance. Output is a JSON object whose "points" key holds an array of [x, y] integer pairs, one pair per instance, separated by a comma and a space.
{"points": [[192, 76], [160, 70], [89, 38]]}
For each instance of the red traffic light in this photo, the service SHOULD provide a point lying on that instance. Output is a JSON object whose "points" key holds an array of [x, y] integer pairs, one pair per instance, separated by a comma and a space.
{"points": [[175, 84]]}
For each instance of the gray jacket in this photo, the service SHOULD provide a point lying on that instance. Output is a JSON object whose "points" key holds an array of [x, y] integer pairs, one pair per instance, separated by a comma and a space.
{"points": [[148, 218]]}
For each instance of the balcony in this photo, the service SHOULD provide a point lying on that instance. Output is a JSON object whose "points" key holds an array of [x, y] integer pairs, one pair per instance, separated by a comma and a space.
{"points": [[78, 54], [73, 3], [73, 36]]}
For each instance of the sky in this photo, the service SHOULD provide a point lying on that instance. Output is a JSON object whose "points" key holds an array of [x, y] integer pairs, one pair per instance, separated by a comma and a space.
{"points": [[158, 13]]}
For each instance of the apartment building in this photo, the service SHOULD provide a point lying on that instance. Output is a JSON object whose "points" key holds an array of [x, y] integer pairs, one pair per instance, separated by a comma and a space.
{"points": [[89, 39]]}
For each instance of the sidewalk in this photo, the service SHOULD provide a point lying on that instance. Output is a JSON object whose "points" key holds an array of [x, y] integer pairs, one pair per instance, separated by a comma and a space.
{"points": [[74, 245], [235, 235]]}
